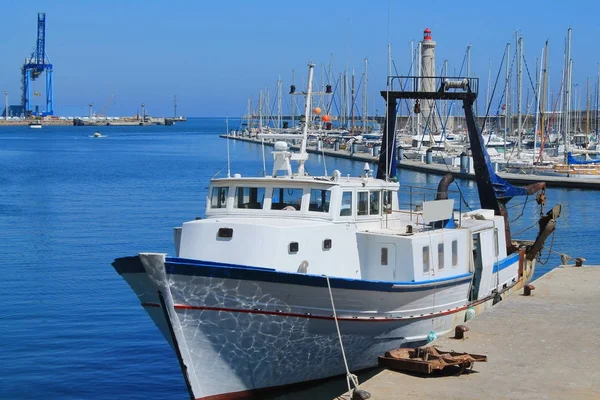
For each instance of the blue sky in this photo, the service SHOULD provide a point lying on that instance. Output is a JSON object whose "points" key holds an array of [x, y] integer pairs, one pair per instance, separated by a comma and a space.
{"points": [[215, 55]]}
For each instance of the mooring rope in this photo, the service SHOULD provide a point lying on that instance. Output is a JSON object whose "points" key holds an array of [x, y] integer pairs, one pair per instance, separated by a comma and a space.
{"points": [[349, 376]]}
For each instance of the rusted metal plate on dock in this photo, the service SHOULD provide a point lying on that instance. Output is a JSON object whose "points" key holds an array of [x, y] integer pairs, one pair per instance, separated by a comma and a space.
{"points": [[428, 359]]}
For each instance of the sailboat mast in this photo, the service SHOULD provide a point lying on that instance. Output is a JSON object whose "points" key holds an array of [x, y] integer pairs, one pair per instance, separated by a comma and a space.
{"points": [[507, 96], [538, 85], [279, 103], [587, 111], [413, 66], [292, 98], [352, 102], [543, 110], [260, 109], [597, 98], [419, 86], [567, 107], [519, 92], [364, 110]]}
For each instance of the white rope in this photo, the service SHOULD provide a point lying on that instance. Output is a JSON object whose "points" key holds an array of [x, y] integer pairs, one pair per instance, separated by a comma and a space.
{"points": [[349, 376]]}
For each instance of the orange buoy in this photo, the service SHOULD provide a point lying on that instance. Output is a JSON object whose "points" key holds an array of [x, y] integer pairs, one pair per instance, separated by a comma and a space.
{"points": [[326, 118], [316, 111]]}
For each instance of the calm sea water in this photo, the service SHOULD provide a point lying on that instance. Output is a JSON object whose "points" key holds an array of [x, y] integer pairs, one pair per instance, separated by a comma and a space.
{"points": [[70, 327]]}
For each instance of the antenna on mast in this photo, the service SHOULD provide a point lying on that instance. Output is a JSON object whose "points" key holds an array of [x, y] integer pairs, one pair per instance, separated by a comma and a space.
{"points": [[303, 156]]}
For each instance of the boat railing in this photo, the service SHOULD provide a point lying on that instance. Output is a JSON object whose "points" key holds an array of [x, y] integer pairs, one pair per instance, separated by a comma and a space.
{"points": [[411, 199]]}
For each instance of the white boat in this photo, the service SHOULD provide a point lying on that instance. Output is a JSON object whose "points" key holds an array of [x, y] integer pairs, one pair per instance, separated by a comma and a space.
{"points": [[253, 297], [35, 125]]}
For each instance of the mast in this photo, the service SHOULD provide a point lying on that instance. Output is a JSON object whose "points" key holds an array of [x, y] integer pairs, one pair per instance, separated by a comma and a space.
{"points": [[292, 98], [352, 102], [419, 86], [538, 85], [567, 108], [507, 96], [260, 107], [307, 107], [587, 113], [249, 115], [279, 103], [519, 92], [597, 98], [444, 119], [412, 85], [364, 110], [543, 110]]}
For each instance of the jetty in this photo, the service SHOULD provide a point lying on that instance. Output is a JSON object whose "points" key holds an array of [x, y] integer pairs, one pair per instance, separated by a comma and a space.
{"points": [[542, 346], [95, 121], [437, 168]]}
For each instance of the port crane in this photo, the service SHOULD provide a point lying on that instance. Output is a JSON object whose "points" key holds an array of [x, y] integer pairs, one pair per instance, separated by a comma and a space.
{"points": [[33, 68]]}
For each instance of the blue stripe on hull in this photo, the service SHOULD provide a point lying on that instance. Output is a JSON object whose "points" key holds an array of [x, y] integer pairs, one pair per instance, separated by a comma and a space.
{"points": [[180, 266], [507, 262]]}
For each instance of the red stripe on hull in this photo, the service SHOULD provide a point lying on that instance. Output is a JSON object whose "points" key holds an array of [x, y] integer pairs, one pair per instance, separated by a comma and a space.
{"points": [[310, 316]]}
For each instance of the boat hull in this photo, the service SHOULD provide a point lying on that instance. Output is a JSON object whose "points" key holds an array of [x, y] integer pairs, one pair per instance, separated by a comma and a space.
{"points": [[237, 333]]}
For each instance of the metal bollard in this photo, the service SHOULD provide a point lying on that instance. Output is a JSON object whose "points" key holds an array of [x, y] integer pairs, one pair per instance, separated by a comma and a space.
{"points": [[528, 289]]}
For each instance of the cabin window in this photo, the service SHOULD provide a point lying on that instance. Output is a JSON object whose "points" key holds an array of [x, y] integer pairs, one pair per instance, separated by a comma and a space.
{"points": [[346, 208], [441, 255], [219, 197], [374, 203], [387, 199], [319, 200], [249, 197], [287, 199], [454, 253], [363, 204], [496, 247], [426, 259], [384, 256]]}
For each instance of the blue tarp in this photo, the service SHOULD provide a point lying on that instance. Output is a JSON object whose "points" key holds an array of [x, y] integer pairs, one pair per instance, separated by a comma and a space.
{"points": [[573, 160]]}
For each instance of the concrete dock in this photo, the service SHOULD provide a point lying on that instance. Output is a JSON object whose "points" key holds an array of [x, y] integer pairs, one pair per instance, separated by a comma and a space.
{"points": [[543, 346], [442, 169]]}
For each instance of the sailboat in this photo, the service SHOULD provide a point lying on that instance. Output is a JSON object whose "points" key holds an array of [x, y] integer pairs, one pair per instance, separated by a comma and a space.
{"points": [[292, 277]]}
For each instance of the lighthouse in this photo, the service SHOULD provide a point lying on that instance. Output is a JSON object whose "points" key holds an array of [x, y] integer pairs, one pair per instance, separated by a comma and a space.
{"points": [[430, 119]]}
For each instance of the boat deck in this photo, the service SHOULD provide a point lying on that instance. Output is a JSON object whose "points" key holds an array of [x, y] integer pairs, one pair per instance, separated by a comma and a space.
{"points": [[545, 346]]}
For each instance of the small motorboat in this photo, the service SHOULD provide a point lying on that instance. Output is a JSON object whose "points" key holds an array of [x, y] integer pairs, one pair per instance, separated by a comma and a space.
{"points": [[35, 125]]}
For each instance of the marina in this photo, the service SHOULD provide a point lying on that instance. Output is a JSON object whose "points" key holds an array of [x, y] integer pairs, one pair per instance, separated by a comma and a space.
{"points": [[439, 169]]}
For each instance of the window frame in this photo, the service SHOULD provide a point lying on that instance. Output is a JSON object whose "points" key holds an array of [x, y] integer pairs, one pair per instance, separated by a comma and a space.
{"points": [[360, 193], [320, 192], [454, 253], [220, 190], [426, 260], [272, 202], [379, 202], [341, 203], [262, 203]]}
